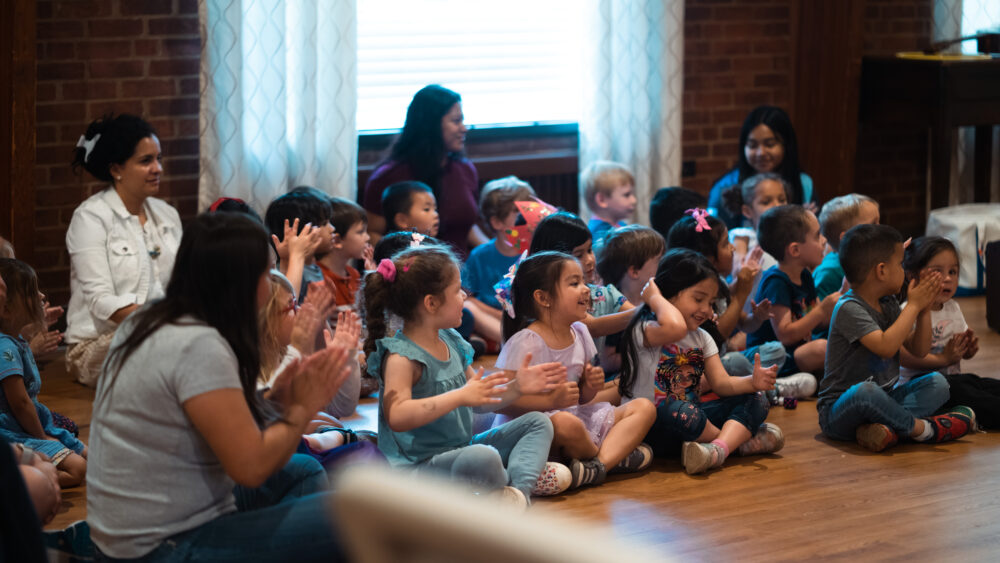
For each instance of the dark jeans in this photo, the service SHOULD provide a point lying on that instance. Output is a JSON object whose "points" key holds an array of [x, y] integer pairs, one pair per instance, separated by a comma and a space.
{"points": [[682, 421]]}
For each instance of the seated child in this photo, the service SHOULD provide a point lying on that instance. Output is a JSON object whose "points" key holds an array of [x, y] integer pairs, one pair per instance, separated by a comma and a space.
{"points": [[669, 205], [350, 242], [23, 420], [299, 223], [791, 234], [609, 191], [951, 338], [665, 354], [857, 398], [628, 259], [410, 206], [752, 199], [838, 215], [550, 298]]}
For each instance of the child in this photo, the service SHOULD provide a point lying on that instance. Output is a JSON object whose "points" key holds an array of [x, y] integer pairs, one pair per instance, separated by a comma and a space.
{"points": [[410, 206], [709, 237], [350, 242], [609, 190], [665, 354], [856, 398], [791, 234], [669, 205], [428, 389], [951, 338], [838, 215], [549, 299], [22, 418], [299, 223], [752, 199], [628, 259]]}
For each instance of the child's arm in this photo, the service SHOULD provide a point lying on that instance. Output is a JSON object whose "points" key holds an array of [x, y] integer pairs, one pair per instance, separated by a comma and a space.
{"points": [[22, 407], [490, 311], [591, 382], [610, 324], [404, 413], [565, 394], [920, 295], [726, 385], [527, 380], [295, 249], [740, 290], [791, 332], [669, 325], [761, 312]]}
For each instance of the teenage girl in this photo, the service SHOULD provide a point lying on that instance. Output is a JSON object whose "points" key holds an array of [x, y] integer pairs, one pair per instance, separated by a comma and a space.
{"points": [[23, 420], [429, 389], [661, 366], [550, 301]]}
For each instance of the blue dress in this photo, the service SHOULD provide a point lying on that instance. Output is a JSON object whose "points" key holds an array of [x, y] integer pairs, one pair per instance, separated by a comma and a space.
{"points": [[16, 360], [451, 431]]}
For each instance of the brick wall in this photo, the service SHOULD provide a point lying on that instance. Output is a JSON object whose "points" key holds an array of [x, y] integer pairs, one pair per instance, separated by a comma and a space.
{"points": [[95, 56]]}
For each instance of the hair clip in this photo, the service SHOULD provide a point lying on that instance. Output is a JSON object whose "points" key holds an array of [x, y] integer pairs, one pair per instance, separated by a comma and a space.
{"points": [[387, 270], [417, 239], [699, 219], [503, 287], [87, 146]]}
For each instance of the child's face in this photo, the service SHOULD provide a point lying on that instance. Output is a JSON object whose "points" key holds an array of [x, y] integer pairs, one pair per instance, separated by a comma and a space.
{"points": [[768, 194], [327, 239], [811, 249], [423, 214], [724, 254], [449, 313], [648, 269], [585, 254], [620, 204], [354, 241], [695, 302], [868, 214], [764, 151], [946, 263], [572, 298]]}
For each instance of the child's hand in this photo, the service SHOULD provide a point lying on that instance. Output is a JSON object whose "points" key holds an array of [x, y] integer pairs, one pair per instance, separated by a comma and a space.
{"points": [[829, 302], [52, 315], [744, 279], [955, 348], [539, 378], [312, 382], [480, 390], [763, 378], [761, 310], [922, 294], [973, 345], [752, 258], [593, 376], [311, 317], [347, 333], [566, 395], [650, 291], [369, 257], [45, 341]]}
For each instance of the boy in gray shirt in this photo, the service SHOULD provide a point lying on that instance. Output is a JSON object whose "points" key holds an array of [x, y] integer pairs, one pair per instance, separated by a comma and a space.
{"points": [[856, 395]]}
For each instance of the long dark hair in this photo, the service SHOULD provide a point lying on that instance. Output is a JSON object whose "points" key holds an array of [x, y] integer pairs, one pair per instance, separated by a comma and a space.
{"points": [[679, 269], [421, 145], [781, 125], [119, 135], [921, 251], [539, 271], [219, 263], [685, 234]]}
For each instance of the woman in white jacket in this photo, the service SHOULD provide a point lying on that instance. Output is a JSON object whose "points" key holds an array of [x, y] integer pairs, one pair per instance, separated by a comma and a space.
{"points": [[122, 241]]}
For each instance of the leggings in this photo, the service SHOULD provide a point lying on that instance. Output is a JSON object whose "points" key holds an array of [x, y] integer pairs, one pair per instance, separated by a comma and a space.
{"points": [[682, 421]]}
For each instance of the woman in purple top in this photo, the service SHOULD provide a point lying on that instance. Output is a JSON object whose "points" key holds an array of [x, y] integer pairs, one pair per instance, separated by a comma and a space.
{"points": [[430, 150]]}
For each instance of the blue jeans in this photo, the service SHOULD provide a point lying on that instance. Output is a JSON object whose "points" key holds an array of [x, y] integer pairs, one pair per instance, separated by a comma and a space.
{"points": [[771, 354], [510, 454], [683, 421], [288, 518], [866, 402]]}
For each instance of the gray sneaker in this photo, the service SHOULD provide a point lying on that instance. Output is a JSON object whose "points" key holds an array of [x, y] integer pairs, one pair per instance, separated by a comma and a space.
{"points": [[640, 458], [800, 385], [587, 472]]}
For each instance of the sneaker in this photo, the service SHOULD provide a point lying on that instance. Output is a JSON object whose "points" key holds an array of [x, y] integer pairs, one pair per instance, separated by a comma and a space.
{"points": [[768, 439], [876, 437], [968, 412], [699, 458], [512, 497], [554, 479], [587, 472], [951, 425], [71, 543], [800, 385], [640, 458]]}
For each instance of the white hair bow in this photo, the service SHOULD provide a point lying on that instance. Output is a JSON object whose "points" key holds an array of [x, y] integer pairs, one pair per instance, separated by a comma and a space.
{"points": [[87, 146]]}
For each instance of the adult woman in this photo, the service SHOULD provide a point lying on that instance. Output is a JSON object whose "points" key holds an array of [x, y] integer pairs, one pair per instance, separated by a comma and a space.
{"points": [[177, 421], [768, 144], [430, 150], [121, 241]]}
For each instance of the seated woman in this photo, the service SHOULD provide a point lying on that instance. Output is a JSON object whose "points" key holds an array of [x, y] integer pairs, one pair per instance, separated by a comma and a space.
{"points": [[121, 241], [767, 144], [429, 150], [188, 462]]}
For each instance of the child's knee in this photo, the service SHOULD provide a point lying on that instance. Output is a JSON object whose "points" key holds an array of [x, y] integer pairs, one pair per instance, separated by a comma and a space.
{"points": [[642, 408], [481, 463], [867, 391], [938, 386], [75, 468], [539, 422], [566, 425]]}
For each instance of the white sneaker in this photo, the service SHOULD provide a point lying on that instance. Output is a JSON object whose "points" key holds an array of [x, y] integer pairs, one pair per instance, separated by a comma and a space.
{"points": [[800, 385], [554, 479], [513, 498]]}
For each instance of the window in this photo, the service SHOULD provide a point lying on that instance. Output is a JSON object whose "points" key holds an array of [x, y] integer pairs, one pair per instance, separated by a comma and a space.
{"points": [[513, 62], [979, 15]]}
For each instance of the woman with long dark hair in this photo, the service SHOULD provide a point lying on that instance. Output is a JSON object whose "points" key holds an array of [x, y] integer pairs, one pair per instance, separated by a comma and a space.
{"points": [[767, 144], [187, 460], [430, 150]]}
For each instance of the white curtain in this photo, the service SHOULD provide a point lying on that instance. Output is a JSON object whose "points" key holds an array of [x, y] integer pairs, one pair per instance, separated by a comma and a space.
{"points": [[633, 83], [278, 98]]}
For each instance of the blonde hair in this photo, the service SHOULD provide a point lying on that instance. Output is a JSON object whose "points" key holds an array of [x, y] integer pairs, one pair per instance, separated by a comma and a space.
{"points": [[602, 177], [840, 214], [271, 349], [6, 249], [500, 195]]}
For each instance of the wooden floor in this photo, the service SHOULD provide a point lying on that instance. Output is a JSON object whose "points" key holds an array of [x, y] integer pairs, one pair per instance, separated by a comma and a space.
{"points": [[815, 498]]}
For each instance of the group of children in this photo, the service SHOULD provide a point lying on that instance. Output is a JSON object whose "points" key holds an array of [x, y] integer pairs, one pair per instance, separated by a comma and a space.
{"points": [[664, 341]]}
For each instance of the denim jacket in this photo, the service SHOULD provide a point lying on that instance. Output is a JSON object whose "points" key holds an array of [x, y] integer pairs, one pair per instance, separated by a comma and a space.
{"points": [[110, 266]]}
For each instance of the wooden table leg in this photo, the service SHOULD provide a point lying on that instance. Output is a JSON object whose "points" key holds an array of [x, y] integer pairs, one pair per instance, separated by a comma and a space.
{"points": [[983, 163]]}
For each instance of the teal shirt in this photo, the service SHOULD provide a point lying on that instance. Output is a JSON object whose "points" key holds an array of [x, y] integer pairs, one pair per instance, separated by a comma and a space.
{"points": [[828, 276], [453, 429]]}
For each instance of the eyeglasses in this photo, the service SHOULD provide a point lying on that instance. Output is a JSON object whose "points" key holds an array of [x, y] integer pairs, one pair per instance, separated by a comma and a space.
{"points": [[293, 305]]}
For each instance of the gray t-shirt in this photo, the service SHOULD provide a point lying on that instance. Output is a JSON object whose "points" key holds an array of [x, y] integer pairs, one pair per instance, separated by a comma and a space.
{"points": [[848, 362], [150, 473]]}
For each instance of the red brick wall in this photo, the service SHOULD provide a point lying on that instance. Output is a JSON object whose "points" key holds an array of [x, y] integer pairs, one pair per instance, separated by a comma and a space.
{"points": [[95, 56]]}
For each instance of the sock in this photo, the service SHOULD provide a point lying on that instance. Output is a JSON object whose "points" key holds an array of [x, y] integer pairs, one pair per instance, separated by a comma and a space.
{"points": [[722, 452], [928, 432]]}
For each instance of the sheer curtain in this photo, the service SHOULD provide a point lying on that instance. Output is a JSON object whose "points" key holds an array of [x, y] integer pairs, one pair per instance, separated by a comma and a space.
{"points": [[278, 98], [633, 83]]}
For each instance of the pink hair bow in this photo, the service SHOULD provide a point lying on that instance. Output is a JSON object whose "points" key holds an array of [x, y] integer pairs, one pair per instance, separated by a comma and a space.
{"points": [[699, 219], [387, 270]]}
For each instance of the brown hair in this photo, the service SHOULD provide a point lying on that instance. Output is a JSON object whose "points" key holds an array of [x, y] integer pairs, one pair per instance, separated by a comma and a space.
{"points": [[627, 247], [603, 177], [22, 287], [500, 195], [840, 214], [420, 271]]}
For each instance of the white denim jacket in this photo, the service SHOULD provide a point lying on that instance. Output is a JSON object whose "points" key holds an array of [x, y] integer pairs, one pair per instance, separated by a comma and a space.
{"points": [[110, 266]]}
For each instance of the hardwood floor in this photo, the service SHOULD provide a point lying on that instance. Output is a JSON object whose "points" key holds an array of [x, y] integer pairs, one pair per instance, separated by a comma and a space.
{"points": [[815, 498]]}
